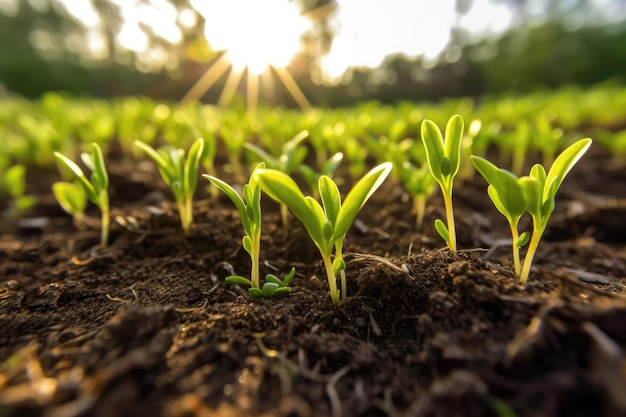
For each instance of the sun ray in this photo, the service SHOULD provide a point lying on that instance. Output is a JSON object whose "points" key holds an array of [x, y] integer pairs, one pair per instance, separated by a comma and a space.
{"points": [[252, 91], [293, 88], [230, 88], [208, 79]]}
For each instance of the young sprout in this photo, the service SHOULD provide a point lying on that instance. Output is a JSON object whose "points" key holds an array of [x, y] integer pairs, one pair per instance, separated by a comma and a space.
{"points": [[328, 168], [534, 194], [507, 195], [444, 160], [249, 208], [178, 174], [540, 192], [419, 183], [13, 184], [291, 157], [96, 189], [72, 198], [326, 224]]}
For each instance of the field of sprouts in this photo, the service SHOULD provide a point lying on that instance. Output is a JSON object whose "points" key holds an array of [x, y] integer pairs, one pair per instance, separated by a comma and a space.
{"points": [[191, 261]]}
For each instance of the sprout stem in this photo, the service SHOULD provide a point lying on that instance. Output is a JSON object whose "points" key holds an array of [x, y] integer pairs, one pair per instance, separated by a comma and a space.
{"points": [[516, 260], [332, 280], [254, 257], [104, 227], [447, 199], [530, 254], [419, 206], [342, 273]]}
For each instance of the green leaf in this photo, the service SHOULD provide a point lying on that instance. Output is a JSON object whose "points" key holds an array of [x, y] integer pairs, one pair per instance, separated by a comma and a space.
{"points": [[563, 164], [442, 230], [234, 197], [89, 189], [191, 166], [70, 196], [339, 265], [523, 240], [247, 244], [100, 177], [156, 156], [506, 189], [269, 160], [358, 195], [433, 143], [269, 289], [15, 180], [533, 190], [329, 193], [255, 292], [273, 278], [289, 276], [237, 279], [454, 136]]}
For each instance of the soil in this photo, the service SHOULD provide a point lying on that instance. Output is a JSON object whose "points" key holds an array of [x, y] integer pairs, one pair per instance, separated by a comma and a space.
{"points": [[148, 327]]}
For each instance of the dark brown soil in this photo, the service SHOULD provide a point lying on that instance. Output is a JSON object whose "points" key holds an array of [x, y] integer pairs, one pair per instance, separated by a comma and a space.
{"points": [[148, 327]]}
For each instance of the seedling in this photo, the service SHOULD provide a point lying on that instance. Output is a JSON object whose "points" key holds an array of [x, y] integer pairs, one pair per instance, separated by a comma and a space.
{"points": [[540, 192], [444, 160], [14, 185], [96, 189], [178, 174], [328, 168], [72, 198], [327, 225], [249, 208], [534, 194], [291, 157], [419, 183]]}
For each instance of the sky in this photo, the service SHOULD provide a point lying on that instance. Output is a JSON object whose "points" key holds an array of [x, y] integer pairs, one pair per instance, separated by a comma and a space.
{"points": [[268, 32]]}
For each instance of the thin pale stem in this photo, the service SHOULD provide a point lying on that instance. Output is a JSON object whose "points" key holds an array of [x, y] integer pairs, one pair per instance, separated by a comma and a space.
{"points": [[342, 273], [332, 280], [447, 199], [104, 227], [515, 237], [254, 257], [284, 216], [185, 211], [419, 207], [530, 254]]}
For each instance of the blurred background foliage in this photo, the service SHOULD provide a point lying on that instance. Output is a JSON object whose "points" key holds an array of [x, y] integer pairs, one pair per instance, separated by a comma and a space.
{"points": [[44, 47]]}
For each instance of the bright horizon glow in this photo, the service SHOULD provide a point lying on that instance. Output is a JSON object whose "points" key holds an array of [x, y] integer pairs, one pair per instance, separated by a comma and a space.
{"points": [[256, 34], [370, 30]]}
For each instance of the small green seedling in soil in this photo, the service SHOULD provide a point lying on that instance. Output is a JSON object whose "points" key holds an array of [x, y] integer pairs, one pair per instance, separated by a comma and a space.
{"points": [[419, 183], [507, 195], [72, 198], [444, 160], [326, 224], [249, 208], [540, 192], [291, 157], [96, 189], [178, 174], [328, 168], [14, 185], [534, 194]]}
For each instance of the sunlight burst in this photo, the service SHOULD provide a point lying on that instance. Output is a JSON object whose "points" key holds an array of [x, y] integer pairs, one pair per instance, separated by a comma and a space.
{"points": [[255, 34]]}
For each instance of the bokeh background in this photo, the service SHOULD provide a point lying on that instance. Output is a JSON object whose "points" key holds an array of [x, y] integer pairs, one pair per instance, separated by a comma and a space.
{"points": [[337, 51]]}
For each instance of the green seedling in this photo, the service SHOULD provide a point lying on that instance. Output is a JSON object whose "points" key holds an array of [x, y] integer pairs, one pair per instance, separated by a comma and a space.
{"points": [[507, 195], [291, 157], [249, 208], [419, 183], [444, 160], [540, 192], [328, 168], [72, 198], [178, 174], [14, 185], [534, 194], [96, 188], [326, 224]]}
